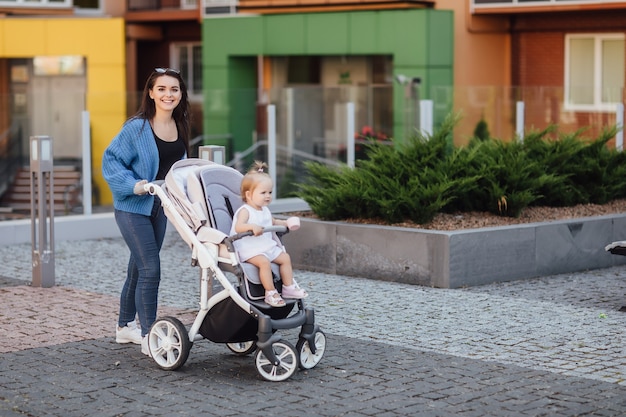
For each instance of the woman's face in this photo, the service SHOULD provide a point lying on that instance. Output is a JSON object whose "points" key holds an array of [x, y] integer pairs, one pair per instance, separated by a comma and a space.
{"points": [[166, 93]]}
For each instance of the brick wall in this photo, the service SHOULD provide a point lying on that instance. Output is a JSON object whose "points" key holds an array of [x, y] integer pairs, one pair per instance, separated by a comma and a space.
{"points": [[538, 58], [538, 55]]}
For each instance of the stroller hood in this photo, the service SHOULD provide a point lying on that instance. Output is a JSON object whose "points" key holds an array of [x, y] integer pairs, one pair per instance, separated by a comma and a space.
{"points": [[182, 186]]}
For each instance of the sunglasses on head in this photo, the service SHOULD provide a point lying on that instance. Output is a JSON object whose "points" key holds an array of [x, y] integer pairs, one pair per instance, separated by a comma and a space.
{"points": [[165, 70]]}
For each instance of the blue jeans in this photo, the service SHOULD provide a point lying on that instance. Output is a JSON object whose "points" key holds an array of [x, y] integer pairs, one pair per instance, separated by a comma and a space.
{"points": [[144, 237]]}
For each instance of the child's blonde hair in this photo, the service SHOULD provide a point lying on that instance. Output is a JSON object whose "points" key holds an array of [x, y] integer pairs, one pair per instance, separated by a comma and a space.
{"points": [[256, 173]]}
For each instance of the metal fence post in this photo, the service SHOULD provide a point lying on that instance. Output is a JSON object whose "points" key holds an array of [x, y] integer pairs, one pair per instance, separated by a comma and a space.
{"points": [[619, 122], [86, 165], [271, 143], [519, 120], [42, 211], [350, 155], [426, 117]]}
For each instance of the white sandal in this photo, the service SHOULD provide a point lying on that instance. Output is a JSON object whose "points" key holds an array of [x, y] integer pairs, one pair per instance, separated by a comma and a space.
{"points": [[274, 299], [294, 292]]}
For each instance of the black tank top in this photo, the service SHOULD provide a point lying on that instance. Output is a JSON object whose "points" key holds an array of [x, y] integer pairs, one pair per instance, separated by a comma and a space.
{"points": [[169, 152]]}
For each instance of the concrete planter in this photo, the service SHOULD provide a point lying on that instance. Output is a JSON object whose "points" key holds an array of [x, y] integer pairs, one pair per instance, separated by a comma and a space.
{"points": [[457, 258]]}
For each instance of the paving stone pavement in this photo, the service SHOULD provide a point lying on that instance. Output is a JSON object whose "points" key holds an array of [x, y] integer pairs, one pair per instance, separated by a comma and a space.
{"points": [[552, 346]]}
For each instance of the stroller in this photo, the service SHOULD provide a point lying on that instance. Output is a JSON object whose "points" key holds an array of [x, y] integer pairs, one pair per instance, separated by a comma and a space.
{"points": [[199, 198]]}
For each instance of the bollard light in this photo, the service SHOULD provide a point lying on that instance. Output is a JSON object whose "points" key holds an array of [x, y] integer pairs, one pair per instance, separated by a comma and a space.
{"points": [[41, 153], [42, 211], [214, 153]]}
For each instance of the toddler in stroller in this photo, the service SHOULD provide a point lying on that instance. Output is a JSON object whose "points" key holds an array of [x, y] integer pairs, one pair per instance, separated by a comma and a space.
{"points": [[261, 250], [200, 199]]}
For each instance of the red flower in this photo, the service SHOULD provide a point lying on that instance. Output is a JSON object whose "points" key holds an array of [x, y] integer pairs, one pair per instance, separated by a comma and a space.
{"points": [[368, 133]]}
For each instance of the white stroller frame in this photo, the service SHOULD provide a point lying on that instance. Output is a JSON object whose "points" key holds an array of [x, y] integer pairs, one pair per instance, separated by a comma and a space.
{"points": [[183, 201]]}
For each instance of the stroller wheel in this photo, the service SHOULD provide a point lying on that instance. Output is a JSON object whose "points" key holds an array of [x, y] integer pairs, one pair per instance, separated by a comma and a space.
{"points": [[169, 343], [288, 362], [242, 348], [308, 359]]}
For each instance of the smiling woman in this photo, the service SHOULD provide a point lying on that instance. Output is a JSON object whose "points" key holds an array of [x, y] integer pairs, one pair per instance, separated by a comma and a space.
{"points": [[143, 151]]}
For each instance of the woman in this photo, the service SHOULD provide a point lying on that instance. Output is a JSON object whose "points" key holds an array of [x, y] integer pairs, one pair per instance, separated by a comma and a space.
{"points": [[143, 151]]}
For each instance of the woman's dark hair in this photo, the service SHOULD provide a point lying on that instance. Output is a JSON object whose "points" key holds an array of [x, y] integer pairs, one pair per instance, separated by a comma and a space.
{"points": [[181, 114]]}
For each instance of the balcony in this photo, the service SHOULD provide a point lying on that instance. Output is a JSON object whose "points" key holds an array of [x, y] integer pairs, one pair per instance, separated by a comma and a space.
{"points": [[531, 6]]}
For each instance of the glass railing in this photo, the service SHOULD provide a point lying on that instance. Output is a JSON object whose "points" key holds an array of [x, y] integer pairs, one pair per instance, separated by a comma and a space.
{"points": [[542, 107], [11, 157], [310, 123]]}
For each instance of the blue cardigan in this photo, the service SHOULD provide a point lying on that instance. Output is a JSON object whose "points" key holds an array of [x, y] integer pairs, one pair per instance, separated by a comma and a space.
{"points": [[131, 156]]}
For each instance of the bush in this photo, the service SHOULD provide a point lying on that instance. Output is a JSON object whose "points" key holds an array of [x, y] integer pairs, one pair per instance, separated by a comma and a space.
{"points": [[416, 179]]}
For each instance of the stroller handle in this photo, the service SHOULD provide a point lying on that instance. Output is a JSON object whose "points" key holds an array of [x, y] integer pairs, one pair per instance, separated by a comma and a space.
{"points": [[149, 187], [271, 229], [276, 229], [228, 241]]}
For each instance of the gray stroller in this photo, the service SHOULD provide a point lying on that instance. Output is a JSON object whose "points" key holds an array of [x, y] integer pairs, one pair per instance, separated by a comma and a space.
{"points": [[199, 198]]}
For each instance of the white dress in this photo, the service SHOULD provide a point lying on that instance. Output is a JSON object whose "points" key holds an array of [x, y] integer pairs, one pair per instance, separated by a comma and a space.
{"points": [[250, 246]]}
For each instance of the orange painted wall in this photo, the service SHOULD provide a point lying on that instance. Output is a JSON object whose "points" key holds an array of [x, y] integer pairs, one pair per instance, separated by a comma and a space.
{"points": [[482, 70]]}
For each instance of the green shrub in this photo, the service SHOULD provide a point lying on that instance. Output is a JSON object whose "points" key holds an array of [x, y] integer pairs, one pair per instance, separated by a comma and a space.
{"points": [[416, 179]]}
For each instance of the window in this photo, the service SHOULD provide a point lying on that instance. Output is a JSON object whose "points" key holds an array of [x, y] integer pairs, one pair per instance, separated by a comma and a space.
{"points": [[188, 58], [594, 71]]}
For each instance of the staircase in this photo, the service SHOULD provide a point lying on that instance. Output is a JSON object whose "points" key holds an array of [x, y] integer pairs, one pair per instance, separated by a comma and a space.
{"points": [[15, 203]]}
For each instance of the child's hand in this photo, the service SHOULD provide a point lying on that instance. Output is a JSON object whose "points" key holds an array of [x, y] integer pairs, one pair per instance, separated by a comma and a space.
{"points": [[257, 230], [279, 222]]}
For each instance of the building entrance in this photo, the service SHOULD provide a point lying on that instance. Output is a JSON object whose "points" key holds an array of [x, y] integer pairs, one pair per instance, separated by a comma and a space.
{"points": [[57, 105]]}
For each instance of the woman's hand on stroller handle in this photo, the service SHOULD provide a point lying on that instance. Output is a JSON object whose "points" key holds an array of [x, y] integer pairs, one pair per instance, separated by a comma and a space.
{"points": [[149, 186]]}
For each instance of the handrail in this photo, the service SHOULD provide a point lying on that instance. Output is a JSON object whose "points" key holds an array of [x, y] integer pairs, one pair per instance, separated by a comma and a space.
{"points": [[10, 158], [240, 156]]}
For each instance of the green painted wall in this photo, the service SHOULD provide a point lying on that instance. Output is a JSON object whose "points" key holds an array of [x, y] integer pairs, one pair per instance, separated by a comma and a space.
{"points": [[420, 41]]}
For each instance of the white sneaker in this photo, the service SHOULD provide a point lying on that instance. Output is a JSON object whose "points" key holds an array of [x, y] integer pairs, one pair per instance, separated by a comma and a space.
{"points": [[128, 334], [144, 346]]}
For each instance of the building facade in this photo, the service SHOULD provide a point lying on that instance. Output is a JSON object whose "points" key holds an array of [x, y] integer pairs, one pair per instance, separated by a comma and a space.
{"points": [[566, 60], [563, 59]]}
